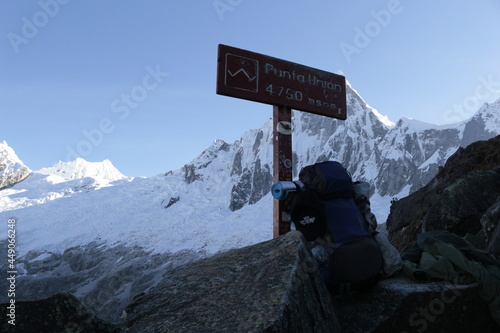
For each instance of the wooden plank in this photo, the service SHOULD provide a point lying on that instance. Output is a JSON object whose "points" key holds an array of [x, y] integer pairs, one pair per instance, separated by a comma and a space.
{"points": [[282, 164]]}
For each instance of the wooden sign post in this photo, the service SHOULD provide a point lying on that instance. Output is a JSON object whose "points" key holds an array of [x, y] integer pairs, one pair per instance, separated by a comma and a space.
{"points": [[282, 163], [286, 86]]}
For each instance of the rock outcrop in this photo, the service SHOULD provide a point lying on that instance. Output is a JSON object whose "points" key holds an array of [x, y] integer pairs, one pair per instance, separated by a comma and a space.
{"points": [[463, 198], [59, 313], [269, 287], [400, 305]]}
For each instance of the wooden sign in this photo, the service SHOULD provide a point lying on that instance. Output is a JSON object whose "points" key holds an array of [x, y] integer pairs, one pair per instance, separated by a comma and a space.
{"points": [[286, 86], [260, 78]]}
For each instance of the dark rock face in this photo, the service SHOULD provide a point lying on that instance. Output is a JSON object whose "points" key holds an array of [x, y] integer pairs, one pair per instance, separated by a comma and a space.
{"points": [[10, 175], [254, 180], [58, 313], [190, 174], [251, 186], [490, 221], [475, 129], [401, 305], [241, 191], [462, 198], [269, 287]]}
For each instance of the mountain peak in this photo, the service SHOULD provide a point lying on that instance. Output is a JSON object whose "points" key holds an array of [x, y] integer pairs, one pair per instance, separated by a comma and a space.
{"points": [[12, 169], [81, 168], [8, 154]]}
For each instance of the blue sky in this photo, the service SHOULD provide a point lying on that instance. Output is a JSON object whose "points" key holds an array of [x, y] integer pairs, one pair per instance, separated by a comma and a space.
{"points": [[134, 81]]}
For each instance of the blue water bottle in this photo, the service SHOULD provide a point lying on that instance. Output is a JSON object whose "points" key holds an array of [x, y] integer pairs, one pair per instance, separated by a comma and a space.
{"points": [[281, 189]]}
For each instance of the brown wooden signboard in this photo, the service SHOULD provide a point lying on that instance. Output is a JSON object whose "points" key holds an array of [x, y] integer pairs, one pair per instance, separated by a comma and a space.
{"points": [[286, 86], [260, 78]]}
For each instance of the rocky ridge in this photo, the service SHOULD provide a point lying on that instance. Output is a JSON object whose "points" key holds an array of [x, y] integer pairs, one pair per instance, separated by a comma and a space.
{"points": [[464, 198]]}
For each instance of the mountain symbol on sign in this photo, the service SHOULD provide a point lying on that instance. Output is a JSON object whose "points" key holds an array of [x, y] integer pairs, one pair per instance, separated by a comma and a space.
{"points": [[242, 73], [250, 78]]}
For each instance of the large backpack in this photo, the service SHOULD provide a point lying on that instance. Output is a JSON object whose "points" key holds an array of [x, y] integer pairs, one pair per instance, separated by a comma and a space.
{"points": [[326, 213]]}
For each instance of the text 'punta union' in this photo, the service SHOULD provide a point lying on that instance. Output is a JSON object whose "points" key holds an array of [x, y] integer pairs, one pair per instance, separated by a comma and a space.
{"points": [[305, 79]]}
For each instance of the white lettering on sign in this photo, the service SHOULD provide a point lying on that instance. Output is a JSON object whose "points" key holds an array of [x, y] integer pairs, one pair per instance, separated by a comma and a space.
{"points": [[311, 79], [324, 104], [289, 93], [269, 68]]}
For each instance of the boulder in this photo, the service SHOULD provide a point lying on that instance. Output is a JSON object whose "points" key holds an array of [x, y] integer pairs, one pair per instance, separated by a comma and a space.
{"points": [[399, 304], [490, 222], [456, 199], [59, 313], [268, 287]]}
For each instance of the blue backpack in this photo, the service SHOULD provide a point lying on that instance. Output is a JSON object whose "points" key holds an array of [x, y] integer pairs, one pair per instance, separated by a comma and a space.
{"points": [[326, 213]]}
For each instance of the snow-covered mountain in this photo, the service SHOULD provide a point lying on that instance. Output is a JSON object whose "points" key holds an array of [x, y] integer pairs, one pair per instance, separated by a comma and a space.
{"points": [[396, 158], [12, 169], [104, 171], [85, 228]]}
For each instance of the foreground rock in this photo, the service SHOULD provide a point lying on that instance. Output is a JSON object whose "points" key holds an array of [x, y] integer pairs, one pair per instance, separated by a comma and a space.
{"points": [[58, 313], [269, 287], [401, 305], [463, 198]]}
